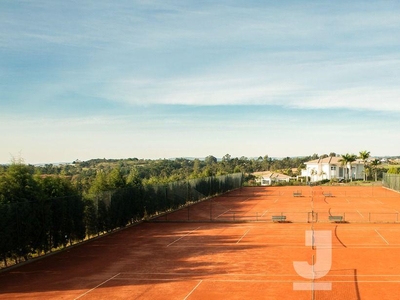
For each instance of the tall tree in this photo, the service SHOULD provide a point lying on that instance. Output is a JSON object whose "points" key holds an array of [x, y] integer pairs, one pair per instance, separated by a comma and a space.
{"points": [[364, 155], [100, 183], [374, 165], [346, 160], [116, 179], [20, 192]]}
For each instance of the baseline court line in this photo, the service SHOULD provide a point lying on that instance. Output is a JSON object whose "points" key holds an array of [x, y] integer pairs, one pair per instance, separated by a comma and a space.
{"points": [[97, 286], [360, 213], [245, 200], [183, 236], [382, 237], [264, 213], [243, 236], [193, 290]]}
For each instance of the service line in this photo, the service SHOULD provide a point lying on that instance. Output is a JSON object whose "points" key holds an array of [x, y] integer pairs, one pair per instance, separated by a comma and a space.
{"points": [[183, 236], [97, 286], [243, 236], [193, 290], [222, 213], [382, 236]]}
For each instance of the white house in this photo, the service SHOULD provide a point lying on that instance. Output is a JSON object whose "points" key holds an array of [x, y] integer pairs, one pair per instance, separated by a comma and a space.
{"points": [[267, 177], [332, 168]]}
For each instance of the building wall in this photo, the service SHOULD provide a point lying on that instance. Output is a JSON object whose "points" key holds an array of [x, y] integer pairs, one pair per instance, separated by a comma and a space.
{"points": [[327, 171]]}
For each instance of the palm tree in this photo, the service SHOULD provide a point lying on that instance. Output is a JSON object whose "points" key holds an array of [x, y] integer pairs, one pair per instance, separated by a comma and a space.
{"points": [[322, 174], [374, 166], [313, 173], [364, 155], [346, 160]]}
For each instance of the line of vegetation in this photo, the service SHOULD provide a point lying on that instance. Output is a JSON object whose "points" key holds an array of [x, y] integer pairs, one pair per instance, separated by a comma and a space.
{"points": [[42, 213]]}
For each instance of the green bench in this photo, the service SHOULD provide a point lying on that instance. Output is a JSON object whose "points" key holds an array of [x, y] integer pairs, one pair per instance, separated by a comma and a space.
{"points": [[336, 219], [278, 218]]}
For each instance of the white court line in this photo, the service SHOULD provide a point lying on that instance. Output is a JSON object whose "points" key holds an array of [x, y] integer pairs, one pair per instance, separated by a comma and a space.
{"points": [[360, 213], [264, 213], [97, 286], [245, 200], [185, 274], [276, 201], [347, 200], [222, 213], [193, 290], [183, 236], [243, 236], [382, 237]]}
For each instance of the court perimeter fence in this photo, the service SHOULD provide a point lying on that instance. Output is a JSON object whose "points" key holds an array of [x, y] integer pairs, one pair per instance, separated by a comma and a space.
{"points": [[211, 212], [33, 228], [391, 181]]}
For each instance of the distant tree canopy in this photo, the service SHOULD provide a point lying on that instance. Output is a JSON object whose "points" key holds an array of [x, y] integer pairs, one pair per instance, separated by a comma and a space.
{"points": [[93, 176]]}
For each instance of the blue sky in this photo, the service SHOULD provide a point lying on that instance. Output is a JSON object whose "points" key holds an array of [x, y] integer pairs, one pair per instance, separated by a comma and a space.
{"points": [[162, 79]]}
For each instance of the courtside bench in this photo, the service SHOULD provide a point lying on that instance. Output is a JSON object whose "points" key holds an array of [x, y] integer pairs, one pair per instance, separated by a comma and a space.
{"points": [[336, 219], [297, 194], [278, 218], [327, 194]]}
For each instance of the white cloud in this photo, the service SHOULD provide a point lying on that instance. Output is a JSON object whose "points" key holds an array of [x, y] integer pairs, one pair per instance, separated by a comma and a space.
{"points": [[324, 83]]}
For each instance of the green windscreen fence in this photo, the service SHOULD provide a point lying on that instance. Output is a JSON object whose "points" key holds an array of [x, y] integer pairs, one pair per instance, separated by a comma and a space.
{"points": [[391, 181], [30, 228], [163, 198]]}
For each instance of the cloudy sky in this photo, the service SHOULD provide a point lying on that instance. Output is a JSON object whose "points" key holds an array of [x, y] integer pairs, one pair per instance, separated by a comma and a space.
{"points": [[161, 79]]}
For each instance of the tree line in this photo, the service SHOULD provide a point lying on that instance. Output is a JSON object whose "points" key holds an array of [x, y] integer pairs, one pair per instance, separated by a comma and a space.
{"points": [[83, 173], [43, 212]]}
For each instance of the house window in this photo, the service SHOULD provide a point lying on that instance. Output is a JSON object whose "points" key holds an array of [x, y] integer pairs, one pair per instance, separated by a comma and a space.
{"points": [[333, 168]]}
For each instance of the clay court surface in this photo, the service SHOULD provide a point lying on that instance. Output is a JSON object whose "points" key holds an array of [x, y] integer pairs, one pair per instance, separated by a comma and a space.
{"points": [[228, 248]]}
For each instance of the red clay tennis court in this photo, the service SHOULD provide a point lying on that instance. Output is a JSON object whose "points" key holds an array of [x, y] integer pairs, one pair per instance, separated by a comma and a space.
{"points": [[229, 248]]}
